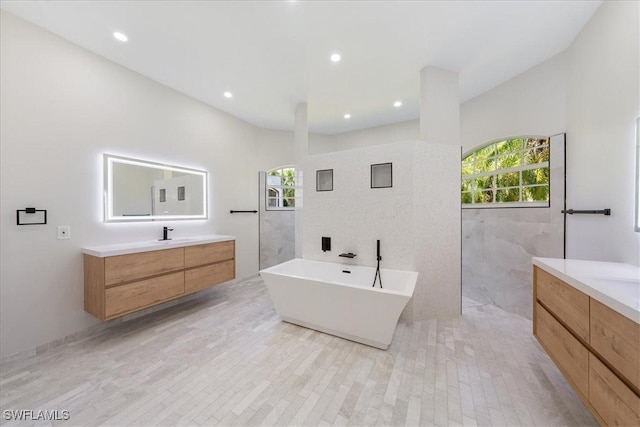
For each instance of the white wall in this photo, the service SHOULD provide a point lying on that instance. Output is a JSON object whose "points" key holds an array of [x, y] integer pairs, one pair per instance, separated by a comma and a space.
{"points": [[439, 106], [403, 131], [603, 102], [532, 103], [62, 107], [275, 148], [320, 143], [417, 220]]}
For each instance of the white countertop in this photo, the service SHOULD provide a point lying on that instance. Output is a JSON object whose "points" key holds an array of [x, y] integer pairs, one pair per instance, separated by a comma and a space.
{"points": [[153, 245], [616, 285]]}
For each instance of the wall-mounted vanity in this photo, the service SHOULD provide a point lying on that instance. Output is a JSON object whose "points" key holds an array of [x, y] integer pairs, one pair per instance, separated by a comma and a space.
{"points": [[123, 278], [586, 316]]}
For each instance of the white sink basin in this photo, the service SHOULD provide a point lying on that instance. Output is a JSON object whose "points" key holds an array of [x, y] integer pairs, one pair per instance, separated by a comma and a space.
{"points": [[177, 240], [623, 288], [619, 280]]}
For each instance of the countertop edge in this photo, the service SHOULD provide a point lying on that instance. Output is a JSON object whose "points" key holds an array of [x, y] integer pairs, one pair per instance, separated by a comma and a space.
{"points": [[104, 251], [579, 283]]}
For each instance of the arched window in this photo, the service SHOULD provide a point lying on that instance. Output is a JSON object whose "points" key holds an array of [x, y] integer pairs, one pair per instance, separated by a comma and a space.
{"points": [[281, 188], [507, 173]]}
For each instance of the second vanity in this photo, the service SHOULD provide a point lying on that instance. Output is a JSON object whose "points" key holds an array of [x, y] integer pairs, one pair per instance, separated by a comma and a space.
{"points": [[586, 316], [124, 278]]}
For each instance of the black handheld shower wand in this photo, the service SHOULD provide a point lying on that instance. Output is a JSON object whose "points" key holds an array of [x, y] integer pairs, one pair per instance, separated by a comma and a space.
{"points": [[379, 258]]}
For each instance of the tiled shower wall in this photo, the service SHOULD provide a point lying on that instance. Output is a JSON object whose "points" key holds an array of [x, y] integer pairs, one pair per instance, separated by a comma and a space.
{"points": [[277, 232], [498, 244], [417, 220]]}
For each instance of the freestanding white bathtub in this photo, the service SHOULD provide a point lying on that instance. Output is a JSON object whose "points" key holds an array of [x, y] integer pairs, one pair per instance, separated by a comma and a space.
{"points": [[321, 296]]}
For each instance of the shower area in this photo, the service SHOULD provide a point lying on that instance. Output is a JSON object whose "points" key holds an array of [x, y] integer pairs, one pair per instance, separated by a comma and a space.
{"points": [[276, 201]]}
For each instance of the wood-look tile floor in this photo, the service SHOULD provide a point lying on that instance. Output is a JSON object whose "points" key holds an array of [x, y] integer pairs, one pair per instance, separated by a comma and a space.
{"points": [[227, 359]]}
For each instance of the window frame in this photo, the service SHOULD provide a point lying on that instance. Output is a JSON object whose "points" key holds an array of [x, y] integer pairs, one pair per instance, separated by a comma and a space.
{"points": [[281, 187], [495, 173]]}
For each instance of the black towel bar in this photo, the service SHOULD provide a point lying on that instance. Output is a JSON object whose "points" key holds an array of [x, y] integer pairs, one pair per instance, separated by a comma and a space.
{"points": [[232, 211], [600, 212]]}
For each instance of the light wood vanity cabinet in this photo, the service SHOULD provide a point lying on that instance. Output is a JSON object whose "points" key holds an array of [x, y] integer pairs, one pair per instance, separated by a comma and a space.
{"points": [[209, 275], [596, 348], [126, 268], [569, 354], [121, 284], [615, 403], [568, 303], [119, 300], [616, 339], [206, 254]]}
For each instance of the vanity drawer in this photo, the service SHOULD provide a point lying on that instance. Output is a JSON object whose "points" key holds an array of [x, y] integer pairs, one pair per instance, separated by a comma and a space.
{"points": [[208, 253], [617, 339], [611, 398], [127, 268], [137, 295], [566, 351], [209, 275], [566, 302]]}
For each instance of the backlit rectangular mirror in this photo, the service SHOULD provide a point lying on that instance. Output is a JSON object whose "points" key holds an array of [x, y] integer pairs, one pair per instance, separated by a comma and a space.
{"points": [[139, 190], [638, 174]]}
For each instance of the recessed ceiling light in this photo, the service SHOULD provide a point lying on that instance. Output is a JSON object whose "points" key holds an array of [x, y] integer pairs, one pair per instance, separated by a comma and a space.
{"points": [[228, 95], [120, 36], [347, 116], [397, 104], [335, 57]]}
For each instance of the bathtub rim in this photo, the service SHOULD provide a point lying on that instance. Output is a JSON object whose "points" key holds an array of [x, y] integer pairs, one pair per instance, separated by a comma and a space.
{"points": [[412, 276]]}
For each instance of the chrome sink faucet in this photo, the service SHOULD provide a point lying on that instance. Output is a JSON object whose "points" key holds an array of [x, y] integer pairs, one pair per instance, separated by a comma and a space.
{"points": [[165, 233]]}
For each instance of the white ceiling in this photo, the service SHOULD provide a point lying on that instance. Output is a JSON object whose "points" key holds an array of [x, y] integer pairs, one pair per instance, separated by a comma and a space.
{"points": [[274, 55]]}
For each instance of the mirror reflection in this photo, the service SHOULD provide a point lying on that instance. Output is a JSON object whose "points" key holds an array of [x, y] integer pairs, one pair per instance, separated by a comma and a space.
{"points": [[139, 190], [638, 174]]}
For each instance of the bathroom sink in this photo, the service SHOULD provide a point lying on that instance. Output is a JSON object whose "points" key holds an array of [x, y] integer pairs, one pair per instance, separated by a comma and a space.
{"points": [[627, 282], [179, 239], [176, 240], [152, 245], [627, 289]]}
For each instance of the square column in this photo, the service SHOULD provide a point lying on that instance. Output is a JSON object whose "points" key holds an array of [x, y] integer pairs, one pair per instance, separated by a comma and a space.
{"points": [[301, 149], [439, 106], [438, 292]]}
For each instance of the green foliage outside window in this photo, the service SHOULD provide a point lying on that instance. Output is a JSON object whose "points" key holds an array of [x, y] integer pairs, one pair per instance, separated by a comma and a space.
{"points": [[512, 170], [281, 191]]}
